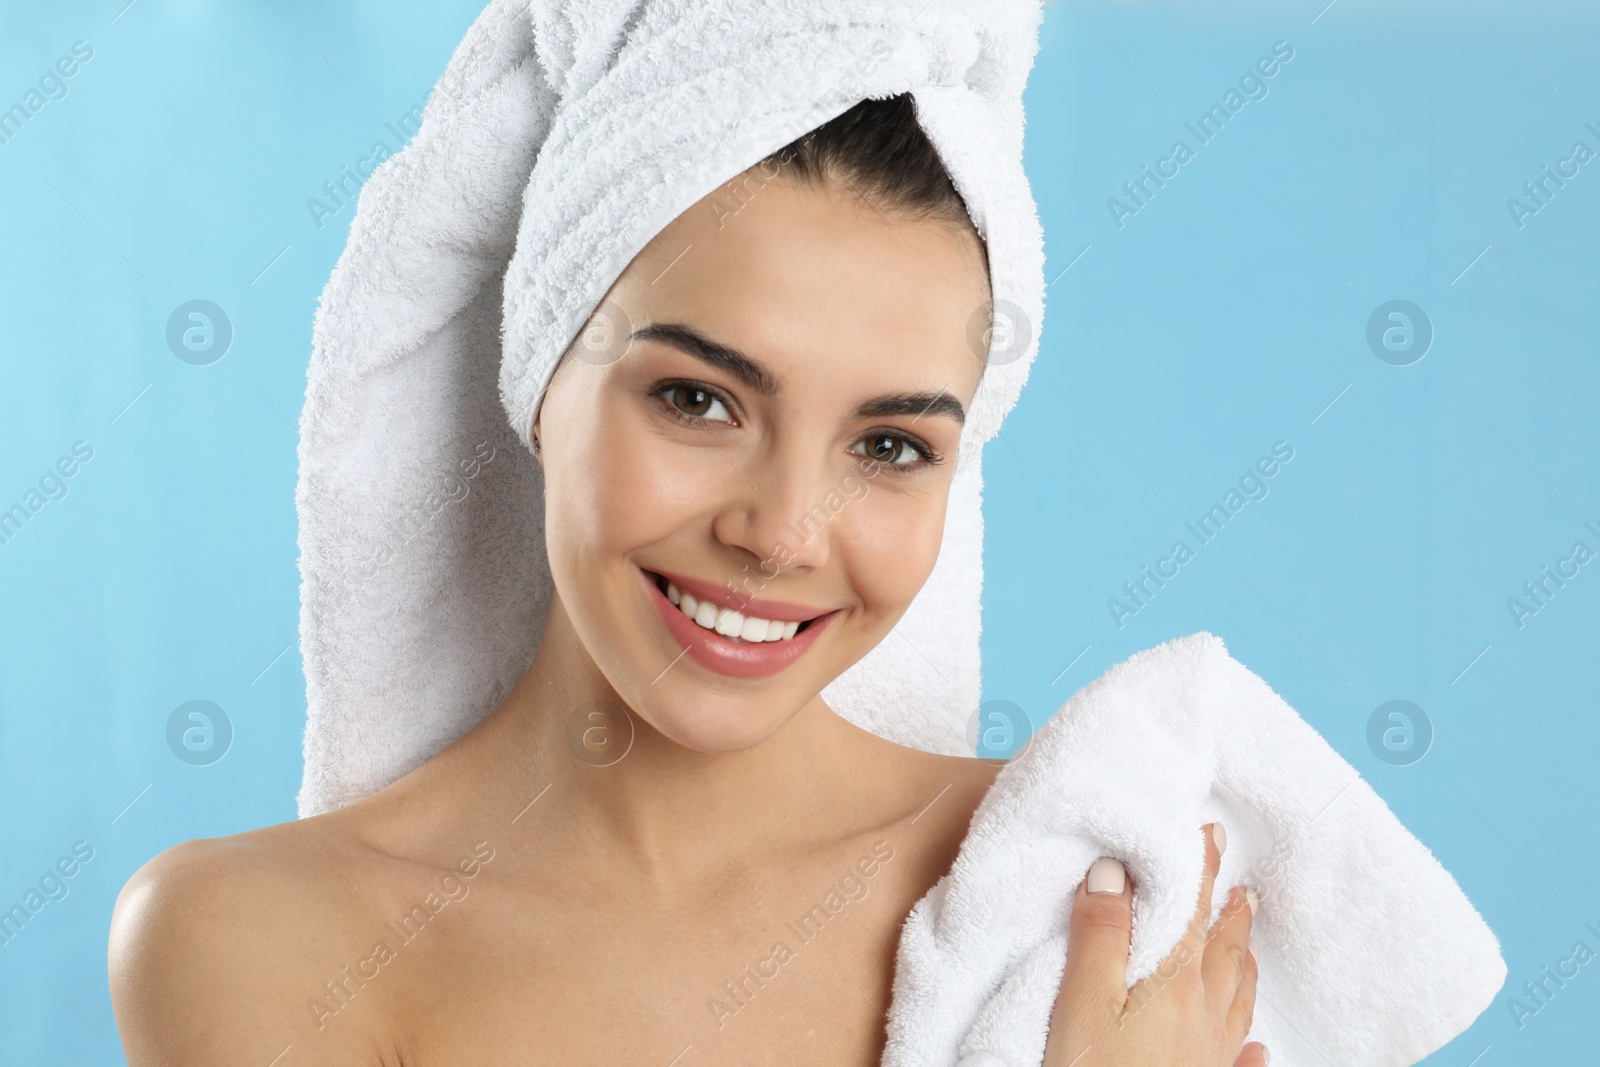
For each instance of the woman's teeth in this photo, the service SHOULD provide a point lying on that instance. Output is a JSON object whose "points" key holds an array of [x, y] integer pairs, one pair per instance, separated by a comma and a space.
{"points": [[729, 623]]}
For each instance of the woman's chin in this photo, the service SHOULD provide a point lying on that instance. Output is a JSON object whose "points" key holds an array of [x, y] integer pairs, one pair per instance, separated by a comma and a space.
{"points": [[716, 728]]}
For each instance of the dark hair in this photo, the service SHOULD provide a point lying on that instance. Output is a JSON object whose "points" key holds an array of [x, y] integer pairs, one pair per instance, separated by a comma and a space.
{"points": [[880, 152]]}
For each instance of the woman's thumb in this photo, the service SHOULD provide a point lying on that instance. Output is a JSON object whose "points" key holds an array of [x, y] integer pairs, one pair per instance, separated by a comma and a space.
{"points": [[1095, 981]]}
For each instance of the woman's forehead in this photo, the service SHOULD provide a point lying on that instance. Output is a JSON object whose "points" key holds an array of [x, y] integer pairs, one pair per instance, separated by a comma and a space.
{"points": [[805, 276]]}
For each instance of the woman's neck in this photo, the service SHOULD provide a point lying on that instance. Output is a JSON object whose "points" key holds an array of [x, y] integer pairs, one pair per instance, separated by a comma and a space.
{"points": [[558, 753]]}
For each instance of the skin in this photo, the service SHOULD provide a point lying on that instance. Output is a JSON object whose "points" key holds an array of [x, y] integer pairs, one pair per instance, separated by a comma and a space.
{"points": [[587, 901]]}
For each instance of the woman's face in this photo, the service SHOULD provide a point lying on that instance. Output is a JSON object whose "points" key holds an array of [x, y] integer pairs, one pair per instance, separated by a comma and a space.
{"points": [[777, 438]]}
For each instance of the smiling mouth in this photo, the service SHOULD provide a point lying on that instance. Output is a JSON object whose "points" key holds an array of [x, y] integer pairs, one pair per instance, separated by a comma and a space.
{"points": [[728, 623]]}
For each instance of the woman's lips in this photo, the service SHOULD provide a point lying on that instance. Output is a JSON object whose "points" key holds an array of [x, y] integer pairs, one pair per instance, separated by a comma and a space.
{"points": [[713, 651]]}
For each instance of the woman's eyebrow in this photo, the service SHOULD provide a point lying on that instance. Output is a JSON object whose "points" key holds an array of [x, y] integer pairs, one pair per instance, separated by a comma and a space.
{"points": [[914, 404], [694, 343], [757, 376]]}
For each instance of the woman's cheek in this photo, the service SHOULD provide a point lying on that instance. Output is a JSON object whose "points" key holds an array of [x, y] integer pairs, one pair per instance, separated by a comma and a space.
{"points": [[891, 542], [642, 490]]}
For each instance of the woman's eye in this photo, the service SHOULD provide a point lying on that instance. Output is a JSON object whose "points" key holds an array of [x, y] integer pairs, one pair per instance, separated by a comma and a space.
{"points": [[695, 402], [893, 450]]}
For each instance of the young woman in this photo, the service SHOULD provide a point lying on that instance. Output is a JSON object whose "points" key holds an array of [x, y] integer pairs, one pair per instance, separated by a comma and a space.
{"points": [[625, 861]]}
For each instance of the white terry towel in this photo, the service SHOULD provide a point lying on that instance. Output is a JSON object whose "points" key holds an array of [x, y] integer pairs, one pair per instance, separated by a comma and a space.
{"points": [[1371, 955], [562, 136]]}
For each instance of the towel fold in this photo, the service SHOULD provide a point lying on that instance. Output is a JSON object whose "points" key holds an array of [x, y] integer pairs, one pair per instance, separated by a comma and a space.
{"points": [[1371, 955]]}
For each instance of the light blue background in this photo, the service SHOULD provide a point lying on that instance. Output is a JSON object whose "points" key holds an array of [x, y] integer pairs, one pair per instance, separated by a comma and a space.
{"points": [[1229, 313]]}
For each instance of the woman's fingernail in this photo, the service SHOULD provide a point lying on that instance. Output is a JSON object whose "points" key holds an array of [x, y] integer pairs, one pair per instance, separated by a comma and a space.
{"points": [[1107, 875], [1220, 836], [1266, 1056], [1255, 949], [1251, 899]]}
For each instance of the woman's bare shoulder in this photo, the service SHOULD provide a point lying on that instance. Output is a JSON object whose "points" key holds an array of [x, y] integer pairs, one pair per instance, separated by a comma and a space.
{"points": [[218, 946], [940, 793], [967, 776]]}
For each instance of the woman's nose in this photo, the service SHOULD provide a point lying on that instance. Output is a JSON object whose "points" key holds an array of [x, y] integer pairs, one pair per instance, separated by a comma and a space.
{"points": [[783, 511]]}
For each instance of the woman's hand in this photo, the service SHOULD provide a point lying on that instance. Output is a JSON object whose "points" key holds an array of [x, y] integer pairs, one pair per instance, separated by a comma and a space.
{"points": [[1192, 1012]]}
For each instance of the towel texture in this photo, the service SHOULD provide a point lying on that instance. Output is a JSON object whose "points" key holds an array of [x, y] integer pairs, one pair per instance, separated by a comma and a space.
{"points": [[561, 138], [1371, 955]]}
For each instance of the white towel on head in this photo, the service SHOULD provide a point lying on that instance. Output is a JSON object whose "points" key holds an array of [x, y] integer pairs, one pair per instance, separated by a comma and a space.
{"points": [[561, 138], [1371, 955]]}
